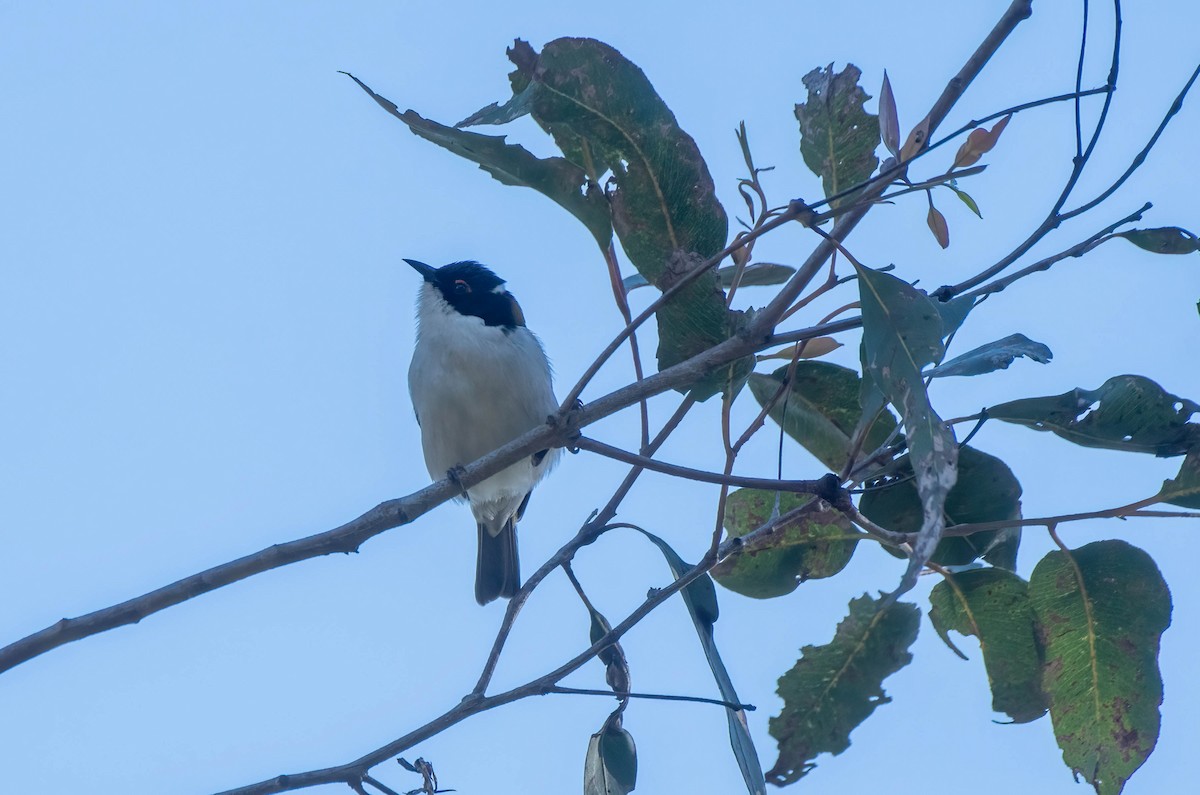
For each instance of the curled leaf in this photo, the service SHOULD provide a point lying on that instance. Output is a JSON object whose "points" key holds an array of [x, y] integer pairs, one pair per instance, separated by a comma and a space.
{"points": [[979, 142], [993, 356]]}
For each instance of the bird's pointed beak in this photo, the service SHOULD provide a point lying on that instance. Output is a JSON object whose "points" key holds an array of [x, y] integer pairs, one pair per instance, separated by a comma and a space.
{"points": [[427, 272]]}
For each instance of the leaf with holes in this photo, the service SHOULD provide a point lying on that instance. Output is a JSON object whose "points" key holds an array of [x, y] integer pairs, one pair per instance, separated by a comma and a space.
{"points": [[816, 543], [902, 333], [993, 605], [838, 137], [821, 410], [1163, 240], [554, 177], [1101, 611], [993, 356], [1127, 412], [606, 116], [834, 688]]}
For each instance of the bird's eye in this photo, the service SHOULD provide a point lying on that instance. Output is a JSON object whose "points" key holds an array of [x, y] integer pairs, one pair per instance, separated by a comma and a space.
{"points": [[461, 287]]}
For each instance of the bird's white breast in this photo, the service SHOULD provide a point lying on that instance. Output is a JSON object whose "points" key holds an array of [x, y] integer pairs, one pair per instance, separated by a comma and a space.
{"points": [[476, 387]]}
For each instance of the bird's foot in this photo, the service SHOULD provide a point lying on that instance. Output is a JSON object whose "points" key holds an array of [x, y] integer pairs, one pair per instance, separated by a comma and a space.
{"points": [[456, 473]]}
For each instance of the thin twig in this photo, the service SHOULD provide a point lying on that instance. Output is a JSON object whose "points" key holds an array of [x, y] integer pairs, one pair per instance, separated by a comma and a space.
{"points": [[579, 691], [698, 475]]}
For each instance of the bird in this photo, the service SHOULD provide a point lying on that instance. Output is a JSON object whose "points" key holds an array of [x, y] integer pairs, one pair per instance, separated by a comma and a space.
{"points": [[479, 379]]}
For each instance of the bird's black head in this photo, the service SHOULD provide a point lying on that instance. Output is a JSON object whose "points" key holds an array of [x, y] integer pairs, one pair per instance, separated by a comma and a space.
{"points": [[472, 289]]}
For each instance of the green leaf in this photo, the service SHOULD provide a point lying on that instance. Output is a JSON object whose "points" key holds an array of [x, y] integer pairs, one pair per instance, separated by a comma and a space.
{"points": [[993, 605], [758, 274], [554, 177], [838, 137], [1102, 610], [606, 116], [986, 491], [1163, 240], [610, 767], [835, 687], [1184, 489], [821, 410], [700, 597], [953, 313], [993, 356], [966, 199], [817, 543], [902, 333], [1127, 412]]}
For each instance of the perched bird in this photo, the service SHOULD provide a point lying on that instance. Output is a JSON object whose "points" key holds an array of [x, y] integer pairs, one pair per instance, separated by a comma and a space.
{"points": [[478, 380]]}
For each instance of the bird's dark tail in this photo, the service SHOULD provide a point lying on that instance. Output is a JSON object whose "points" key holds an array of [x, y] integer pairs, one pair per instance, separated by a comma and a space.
{"points": [[497, 569]]}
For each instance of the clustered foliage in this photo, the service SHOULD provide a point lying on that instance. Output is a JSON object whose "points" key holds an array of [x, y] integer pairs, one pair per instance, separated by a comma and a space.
{"points": [[1079, 638]]}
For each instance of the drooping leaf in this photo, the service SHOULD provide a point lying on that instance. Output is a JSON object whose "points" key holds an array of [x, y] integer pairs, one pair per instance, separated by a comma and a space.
{"points": [[902, 333], [1101, 612], [610, 767], [986, 491], [979, 142], [889, 118], [555, 177], [838, 137], [1127, 412], [835, 687], [700, 597], [993, 605], [602, 111], [1184, 488], [616, 666], [939, 227], [817, 543], [821, 410], [993, 356], [1163, 240]]}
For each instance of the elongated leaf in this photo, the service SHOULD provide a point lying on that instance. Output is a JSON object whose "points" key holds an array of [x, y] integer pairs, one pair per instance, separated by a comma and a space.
{"points": [[700, 597], [760, 273], [808, 349], [555, 177], [966, 199], [606, 116], [902, 333], [835, 687], [937, 224], [818, 543], [1163, 240], [838, 137], [993, 605], [1101, 612], [986, 491], [993, 356], [1127, 412], [610, 767], [1184, 489], [821, 410], [519, 105], [889, 118]]}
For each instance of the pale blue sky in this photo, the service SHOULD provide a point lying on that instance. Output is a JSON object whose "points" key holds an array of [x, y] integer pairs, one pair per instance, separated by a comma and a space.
{"points": [[207, 326]]}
